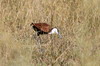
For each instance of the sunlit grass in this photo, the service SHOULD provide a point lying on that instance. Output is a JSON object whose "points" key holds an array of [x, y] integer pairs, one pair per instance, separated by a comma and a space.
{"points": [[77, 20]]}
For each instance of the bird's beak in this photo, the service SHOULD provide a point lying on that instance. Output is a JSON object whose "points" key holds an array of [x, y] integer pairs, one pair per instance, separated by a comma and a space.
{"points": [[59, 35]]}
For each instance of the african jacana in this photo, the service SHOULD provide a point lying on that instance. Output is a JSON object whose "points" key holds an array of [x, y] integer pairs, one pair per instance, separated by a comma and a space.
{"points": [[44, 28]]}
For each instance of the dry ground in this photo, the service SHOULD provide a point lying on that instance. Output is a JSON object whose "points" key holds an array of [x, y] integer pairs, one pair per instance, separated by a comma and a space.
{"points": [[77, 20]]}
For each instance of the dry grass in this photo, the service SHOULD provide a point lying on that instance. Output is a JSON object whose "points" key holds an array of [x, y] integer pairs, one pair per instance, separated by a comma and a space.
{"points": [[77, 20]]}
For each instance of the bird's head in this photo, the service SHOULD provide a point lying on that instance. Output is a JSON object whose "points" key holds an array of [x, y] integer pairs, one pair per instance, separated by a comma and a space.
{"points": [[55, 30]]}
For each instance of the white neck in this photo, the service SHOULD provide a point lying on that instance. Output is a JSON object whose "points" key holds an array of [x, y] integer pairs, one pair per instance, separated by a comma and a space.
{"points": [[54, 30]]}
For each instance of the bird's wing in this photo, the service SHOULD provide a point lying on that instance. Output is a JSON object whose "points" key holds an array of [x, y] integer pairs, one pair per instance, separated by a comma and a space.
{"points": [[43, 27]]}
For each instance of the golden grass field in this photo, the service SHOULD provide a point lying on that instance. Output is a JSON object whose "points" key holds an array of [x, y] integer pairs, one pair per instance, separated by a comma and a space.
{"points": [[77, 20]]}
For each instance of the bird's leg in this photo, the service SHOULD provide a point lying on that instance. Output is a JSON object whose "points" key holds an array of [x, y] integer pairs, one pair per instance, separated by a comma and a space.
{"points": [[39, 39], [34, 35], [39, 44], [49, 39], [38, 33], [37, 36]]}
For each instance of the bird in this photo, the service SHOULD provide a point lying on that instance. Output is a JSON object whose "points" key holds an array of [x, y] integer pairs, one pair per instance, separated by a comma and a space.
{"points": [[44, 28]]}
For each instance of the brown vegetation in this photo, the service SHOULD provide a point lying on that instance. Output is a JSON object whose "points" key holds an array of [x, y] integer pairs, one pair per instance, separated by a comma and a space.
{"points": [[77, 20]]}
